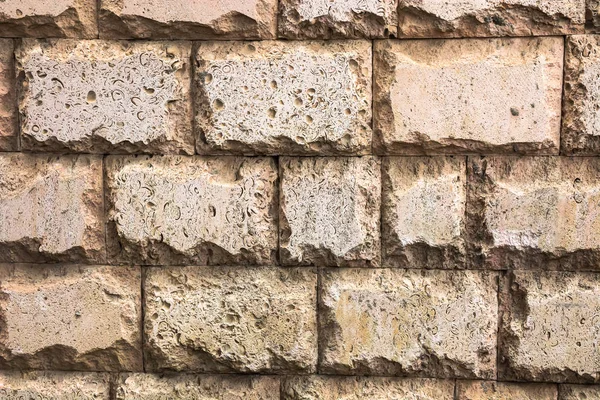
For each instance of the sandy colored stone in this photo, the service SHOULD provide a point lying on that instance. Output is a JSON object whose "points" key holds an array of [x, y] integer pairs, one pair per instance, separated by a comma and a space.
{"points": [[56, 18], [277, 97], [43, 385], [327, 19], [8, 98], [231, 319], [592, 13], [468, 96], [423, 208], [477, 18], [70, 317], [191, 210], [105, 97], [329, 211], [430, 323], [550, 328], [184, 19], [51, 208], [579, 392], [490, 390], [534, 213]]}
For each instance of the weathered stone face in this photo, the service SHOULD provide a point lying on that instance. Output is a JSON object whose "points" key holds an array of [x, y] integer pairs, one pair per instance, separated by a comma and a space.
{"points": [[182, 19], [423, 207], [8, 99], [98, 96], [468, 96], [15, 385], [51, 208], [534, 212], [326, 19], [329, 211], [579, 392], [549, 327], [414, 322], [228, 319], [489, 390], [198, 210], [283, 97], [70, 317]]}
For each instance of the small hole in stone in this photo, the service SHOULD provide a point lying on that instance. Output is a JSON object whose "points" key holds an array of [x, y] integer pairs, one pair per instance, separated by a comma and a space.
{"points": [[67, 106], [39, 103], [208, 78], [91, 96], [42, 74], [272, 112], [298, 102], [274, 84], [309, 119], [149, 90], [347, 111], [218, 104], [19, 13]]}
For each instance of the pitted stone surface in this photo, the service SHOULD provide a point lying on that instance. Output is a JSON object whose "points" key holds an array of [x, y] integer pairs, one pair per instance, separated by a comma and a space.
{"points": [[549, 328], [184, 19], [283, 97], [408, 322], [70, 317], [16, 385], [477, 18], [329, 211], [8, 99], [579, 392], [489, 390], [228, 319], [468, 96], [534, 213], [326, 19], [191, 210], [99, 96], [592, 13], [423, 207], [56, 18], [51, 208]]}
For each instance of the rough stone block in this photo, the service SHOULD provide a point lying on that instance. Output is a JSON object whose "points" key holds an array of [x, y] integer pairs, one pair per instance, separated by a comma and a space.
{"points": [[423, 208], [329, 211], [191, 210], [326, 19], [8, 98], [283, 97], [549, 328], [56, 18], [105, 97], [16, 385], [231, 319], [579, 392], [592, 14], [184, 19], [70, 317], [468, 96], [408, 322], [51, 208], [534, 212], [489, 390]]}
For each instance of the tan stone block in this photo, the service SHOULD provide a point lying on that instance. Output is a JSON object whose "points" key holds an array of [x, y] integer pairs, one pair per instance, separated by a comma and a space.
{"points": [[326, 19], [51, 208], [468, 96], [277, 97], [534, 212], [579, 392], [184, 19], [8, 98], [191, 210], [408, 322], [231, 319], [105, 97], [329, 211], [16, 385], [56, 18], [423, 212], [490, 390], [70, 317], [549, 328], [592, 13]]}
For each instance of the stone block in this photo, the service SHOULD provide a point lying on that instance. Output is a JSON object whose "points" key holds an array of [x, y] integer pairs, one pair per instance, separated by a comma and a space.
{"points": [[15, 385], [490, 390], [8, 99], [579, 392]]}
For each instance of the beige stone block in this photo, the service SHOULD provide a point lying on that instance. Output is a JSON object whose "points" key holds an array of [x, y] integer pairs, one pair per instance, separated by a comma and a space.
{"points": [[51, 208], [329, 211], [70, 317], [468, 96], [592, 14], [8, 98], [408, 322], [191, 210], [490, 390], [277, 97], [579, 392], [15, 385], [231, 319]]}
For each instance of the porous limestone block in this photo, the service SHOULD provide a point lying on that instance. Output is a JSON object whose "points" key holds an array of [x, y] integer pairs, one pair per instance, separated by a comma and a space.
{"points": [[8, 98], [277, 97], [478, 18], [468, 96], [51, 208], [70, 317], [329, 211], [592, 13], [579, 392], [490, 390], [15, 385], [231, 319], [549, 329], [408, 322], [99, 96], [423, 208], [326, 19], [184, 19], [56, 18], [178, 210], [534, 212]]}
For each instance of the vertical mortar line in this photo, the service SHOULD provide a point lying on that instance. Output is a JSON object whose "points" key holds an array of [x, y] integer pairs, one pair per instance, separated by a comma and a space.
{"points": [[500, 277], [562, 95], [455, 394], [18, 90], [143, 315], [112, 385], [318, 316], [98, 5], [278, 211], [372, 94], [192, 95], [381, 180], [104, 178]]}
